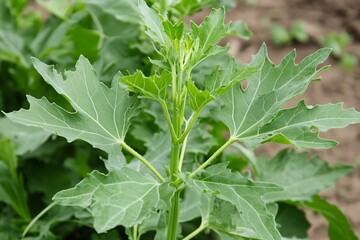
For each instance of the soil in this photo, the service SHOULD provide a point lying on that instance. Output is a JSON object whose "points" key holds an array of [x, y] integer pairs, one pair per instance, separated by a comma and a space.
{"points": [[337, 85]]}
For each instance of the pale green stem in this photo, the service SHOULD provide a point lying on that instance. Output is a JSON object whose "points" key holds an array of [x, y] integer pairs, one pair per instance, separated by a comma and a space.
{"points": [[189, 126], [250, 156], [38, 217], [168, 119], [213, 157], [135, 232], [196, 231], [143, 160], [182, 153], [173, 217]]}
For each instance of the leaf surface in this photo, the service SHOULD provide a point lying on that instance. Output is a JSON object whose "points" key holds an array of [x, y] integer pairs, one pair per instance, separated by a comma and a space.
{"points": [[24, 138], [123, 197], [242, 193], [101, 114], [254, 114], [339, 226], [300, 177]]}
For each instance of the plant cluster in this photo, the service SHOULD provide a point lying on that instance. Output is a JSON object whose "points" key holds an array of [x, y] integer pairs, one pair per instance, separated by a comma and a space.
{"points": [[167, 169]]}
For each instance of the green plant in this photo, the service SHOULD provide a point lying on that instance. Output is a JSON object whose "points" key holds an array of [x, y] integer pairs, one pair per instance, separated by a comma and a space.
{"points": [[339, 42], [167, 163], [281, 36]]}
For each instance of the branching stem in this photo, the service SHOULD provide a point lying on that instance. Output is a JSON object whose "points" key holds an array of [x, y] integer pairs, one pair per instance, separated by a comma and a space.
{"points": [[213, 157], [143, 160], [196, 231]]}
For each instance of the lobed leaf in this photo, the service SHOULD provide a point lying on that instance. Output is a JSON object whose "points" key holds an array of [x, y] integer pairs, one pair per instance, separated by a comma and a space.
{"points": [[101, 114], [154, 87], [254, 115], [122, 197], [242, 193], [300, 177]]}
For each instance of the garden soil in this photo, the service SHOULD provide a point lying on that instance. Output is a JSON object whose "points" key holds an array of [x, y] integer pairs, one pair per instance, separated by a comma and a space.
{"points": [[320, 17]]}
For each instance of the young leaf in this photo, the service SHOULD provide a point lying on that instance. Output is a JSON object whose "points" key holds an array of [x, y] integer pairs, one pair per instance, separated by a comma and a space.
{"points": [[154, 87], [124, 197], [246, 112], [151, 19], [211, 30], [101, 114], [308, 177], [339, 226], [198, 99], [242, 193]]}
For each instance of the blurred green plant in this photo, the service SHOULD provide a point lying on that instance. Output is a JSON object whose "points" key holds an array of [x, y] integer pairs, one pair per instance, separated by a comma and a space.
{"points": [[281, 36]]}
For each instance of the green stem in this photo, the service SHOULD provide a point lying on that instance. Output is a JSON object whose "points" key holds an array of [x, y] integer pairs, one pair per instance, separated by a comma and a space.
{"points": [[142, 159], [193, 119], [182, 153], [250, 156], [135, 232], [168, 119], [37, 218], [213, 157], [196, 231], [173, 217]]}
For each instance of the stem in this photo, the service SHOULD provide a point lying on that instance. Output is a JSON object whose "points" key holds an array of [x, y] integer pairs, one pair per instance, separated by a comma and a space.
{"points": [[173, 217], [143, 160], [250, 156], [213, 157], [168, 119], [37, 218], [182, 153], [196, 231], [135, 232], [193, 119]]}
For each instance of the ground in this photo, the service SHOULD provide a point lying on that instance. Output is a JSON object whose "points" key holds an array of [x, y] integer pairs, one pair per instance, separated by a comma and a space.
{"points": [[320, 17]]}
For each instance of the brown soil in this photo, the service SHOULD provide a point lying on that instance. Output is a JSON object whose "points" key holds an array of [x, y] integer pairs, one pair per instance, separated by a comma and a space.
{"points": [[321, 17]]}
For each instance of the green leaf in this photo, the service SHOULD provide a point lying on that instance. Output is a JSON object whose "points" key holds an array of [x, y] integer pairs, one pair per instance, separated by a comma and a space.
{"points": [[308, 177], [296, 124], [153, 87], [292, 221], [244, 194], [58, 8], [155, 29], [240, 29], [124, 197], [339, 226], [211, 30], [198, 99], [12, 190], [24, 138], [101, 114], [126, 10], [254, 115], [174, 31]]}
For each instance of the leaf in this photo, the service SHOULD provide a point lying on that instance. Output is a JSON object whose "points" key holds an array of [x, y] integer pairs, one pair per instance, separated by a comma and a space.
{"points": [[198, 99], [292, 221], [254, 115], [153, 87], [126, 10], [243, 194], [58, 8], [24, 138], [308, 177], [101, 114], [295, 124], [240, 29], [124, 197], [174, 31], [211, 30], [155, 29], [12, 190], [339, 226]]}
